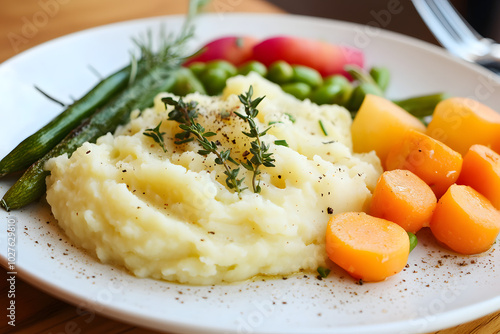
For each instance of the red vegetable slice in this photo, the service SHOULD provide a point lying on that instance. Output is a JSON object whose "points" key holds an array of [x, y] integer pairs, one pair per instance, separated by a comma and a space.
{"points": [[326, 58], [234, 49]]}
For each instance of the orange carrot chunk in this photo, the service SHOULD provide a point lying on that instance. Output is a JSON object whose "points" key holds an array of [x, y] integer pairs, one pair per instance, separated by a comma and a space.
{"points": [[461, 122], [465, 221], [367, 247], [431, 160], [481, 171], [403, 198]]}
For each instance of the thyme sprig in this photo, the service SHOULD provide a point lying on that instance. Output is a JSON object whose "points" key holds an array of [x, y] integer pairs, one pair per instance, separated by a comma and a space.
{"points": [[185, 114], [156, 135], [258, 148]]}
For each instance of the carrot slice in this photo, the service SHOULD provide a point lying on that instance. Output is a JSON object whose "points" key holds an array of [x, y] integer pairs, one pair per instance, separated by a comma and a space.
{"points": [[481, 171], [465, 221], [431, 160], [403, 198], [367, 247], [461, 122]]}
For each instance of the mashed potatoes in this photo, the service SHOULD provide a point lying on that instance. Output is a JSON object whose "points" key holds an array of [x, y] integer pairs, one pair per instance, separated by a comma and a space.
{"points": [[169, 215]]}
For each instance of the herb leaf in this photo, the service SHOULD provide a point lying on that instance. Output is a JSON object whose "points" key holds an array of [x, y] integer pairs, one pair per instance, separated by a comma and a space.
{"points": [[258, 148], [185, 114], [156, 135]]}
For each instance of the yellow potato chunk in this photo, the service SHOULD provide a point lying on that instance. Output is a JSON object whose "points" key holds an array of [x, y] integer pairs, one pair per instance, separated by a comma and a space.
{"points": [[379, 124]]}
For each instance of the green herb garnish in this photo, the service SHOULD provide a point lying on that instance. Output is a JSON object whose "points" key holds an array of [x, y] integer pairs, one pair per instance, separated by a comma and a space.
{"points": [[185, 113], [323, 128], [323, 272], [156, 135], [281, 142], [413, 240], [259, 149]]}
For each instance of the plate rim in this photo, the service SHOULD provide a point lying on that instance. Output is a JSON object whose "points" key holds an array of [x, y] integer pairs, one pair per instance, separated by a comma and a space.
{"points": [[465, 314]]}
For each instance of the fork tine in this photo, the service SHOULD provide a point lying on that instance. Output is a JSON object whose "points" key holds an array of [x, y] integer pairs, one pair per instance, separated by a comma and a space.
{"points": [[449, 28], [456, 21], [441, 30]]}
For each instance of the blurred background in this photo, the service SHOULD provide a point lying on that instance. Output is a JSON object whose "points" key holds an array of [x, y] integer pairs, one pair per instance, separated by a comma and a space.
{"points": [[483, 15]]}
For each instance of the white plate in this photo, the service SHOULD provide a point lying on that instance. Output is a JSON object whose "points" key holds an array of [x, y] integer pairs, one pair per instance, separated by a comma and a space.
{"points": [[437, 290]]}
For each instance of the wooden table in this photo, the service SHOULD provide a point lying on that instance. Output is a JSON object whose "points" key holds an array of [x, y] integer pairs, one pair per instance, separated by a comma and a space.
{"points": [[37, 312]]}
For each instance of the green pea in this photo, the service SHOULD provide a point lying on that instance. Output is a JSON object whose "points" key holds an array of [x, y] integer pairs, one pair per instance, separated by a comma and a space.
{"points": [[381, 76], [214, 80], [337, 79], [197, 67], [422, 106], [359, 93], [186, 82], [224, 65], [253, 66], [307, 75], [330, 94], [300, 90], [280, 72]]}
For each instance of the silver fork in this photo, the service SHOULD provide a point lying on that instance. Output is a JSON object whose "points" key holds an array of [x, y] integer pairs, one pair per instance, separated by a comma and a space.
{"points": [[456, 35]]}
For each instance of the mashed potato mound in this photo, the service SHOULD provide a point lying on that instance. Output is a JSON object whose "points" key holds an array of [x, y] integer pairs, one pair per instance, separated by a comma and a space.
{"points": [[169, 215]]}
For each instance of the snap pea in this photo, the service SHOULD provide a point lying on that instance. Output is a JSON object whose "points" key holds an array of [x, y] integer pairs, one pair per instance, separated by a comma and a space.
{"points": [[300, 90], [253, 66], [381, 76], [306, 75], [39, 143], [186, 82], [140, 95], [421, 106], [280, 72]]}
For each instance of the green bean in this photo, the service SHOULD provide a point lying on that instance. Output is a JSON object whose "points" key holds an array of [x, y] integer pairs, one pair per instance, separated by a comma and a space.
{"points": [[197, 67], [307, 75], [39, 143], [186, 82], [381, 76], [253, 66], [214, 80], [300, 90], [280, 72], [421, 106], [229, 68], [359, 93], [140, 95]]}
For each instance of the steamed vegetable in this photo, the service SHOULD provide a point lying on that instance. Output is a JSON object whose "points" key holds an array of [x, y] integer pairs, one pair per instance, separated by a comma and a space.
{"points": [[324, 57], [462, 122], [403, 198], [465, 221], [431, 160], [234, 49], [31, 185], [379, 124], [481, 171], [367, 247], [39, 143]]}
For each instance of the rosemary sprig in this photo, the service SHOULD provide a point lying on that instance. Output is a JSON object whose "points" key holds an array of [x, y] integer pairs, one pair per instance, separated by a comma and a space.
{"points": [[258, 148], [184, 114], [156, 135]]}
